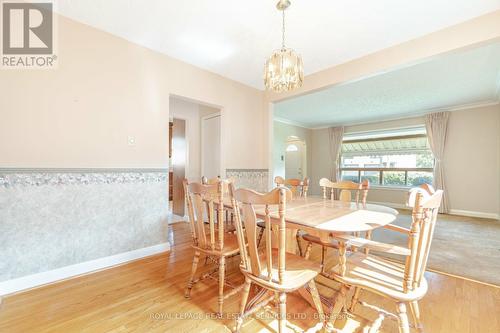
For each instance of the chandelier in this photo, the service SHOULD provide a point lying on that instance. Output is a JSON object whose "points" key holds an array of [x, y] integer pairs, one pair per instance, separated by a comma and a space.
{"points": [[283, 70]]}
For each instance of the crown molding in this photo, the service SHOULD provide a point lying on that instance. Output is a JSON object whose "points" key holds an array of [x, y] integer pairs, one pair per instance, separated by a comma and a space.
{"points": [[291, 122]]}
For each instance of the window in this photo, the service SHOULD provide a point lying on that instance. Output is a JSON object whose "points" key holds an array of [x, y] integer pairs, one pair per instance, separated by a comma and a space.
{"points": [[389, 158]]}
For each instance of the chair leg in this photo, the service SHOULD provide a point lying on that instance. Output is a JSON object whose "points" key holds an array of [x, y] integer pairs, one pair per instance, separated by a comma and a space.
{"points": [[415, 311], [222, 271], [338, 306], [317, 301], [404, 325], [355, 297], [282, 313], [243, 304], [299, 246], [323, 255], [308, 250], [196, 258], [261, 233]]}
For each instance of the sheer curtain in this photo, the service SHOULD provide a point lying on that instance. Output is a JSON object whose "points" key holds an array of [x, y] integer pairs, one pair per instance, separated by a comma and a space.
{"points": [[436, 125], [336, 135]]}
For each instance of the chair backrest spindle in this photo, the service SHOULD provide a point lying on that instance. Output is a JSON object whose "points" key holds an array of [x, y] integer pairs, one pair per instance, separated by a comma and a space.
{"points": [[201, 200], [346, 188], [297, 186], [425, 204], [245, 200]]}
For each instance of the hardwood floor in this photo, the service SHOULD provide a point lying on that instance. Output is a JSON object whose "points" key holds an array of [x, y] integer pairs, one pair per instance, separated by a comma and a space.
{"points": [[148, 296]]}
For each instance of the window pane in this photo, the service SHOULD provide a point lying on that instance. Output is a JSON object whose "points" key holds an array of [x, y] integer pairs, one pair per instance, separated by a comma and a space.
{"points": [[389, 159], [372, 176], [350, 175], [394, 178], [425, 160], [416, 178]]}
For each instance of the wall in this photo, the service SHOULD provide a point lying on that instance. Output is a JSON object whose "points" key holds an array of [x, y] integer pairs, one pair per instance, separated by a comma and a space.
{"points": [[106, 89], [78, 118], [53, 219], [281, 132], [472, 157]]}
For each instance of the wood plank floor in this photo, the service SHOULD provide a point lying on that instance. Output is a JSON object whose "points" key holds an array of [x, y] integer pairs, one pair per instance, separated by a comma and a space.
{"points": [[148, 296]]}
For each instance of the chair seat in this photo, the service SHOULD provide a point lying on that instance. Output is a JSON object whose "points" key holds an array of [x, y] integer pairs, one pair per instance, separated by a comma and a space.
{"points": [[230, 246], [298, 272], [261, 224], [378, 275], [315, 239]]}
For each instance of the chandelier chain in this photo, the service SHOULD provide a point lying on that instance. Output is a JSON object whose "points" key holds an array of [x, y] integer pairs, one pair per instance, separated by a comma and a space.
{"points": [[283, 31]]}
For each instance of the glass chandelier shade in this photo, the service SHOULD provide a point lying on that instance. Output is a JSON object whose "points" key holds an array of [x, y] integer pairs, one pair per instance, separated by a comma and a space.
{"points": [[283, 70]]}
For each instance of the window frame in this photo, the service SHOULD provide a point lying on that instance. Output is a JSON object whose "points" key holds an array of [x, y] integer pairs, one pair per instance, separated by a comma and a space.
{"points": [[381, 170]]}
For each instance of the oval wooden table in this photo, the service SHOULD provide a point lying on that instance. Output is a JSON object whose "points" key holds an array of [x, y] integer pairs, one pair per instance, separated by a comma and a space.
{"points": [[324, 217]]}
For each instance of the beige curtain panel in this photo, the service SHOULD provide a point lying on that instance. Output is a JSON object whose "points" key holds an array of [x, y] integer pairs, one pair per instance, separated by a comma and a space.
{"points": [[436, 125], [336, 134]]}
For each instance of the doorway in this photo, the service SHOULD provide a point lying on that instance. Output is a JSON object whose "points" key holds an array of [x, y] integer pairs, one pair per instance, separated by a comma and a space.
{"points": [[295, 159], [195, 149]]}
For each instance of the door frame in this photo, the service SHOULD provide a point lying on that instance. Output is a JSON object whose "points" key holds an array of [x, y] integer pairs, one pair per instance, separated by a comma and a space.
{"points": [[186, 157]]}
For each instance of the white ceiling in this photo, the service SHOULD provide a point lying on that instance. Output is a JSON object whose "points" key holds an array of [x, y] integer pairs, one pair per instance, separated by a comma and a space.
{"points": [[234, 37], [458, 79]]}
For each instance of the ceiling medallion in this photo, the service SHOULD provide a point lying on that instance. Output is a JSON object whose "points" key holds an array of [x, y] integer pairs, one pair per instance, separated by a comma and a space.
{"points": [[283, 70]]}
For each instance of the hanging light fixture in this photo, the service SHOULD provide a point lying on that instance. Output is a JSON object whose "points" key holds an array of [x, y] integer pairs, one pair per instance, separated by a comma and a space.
{"points": [[283, 70]]}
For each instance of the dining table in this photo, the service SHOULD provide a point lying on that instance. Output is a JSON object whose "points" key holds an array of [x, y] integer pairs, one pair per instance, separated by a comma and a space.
{"points": [[325, 218]]}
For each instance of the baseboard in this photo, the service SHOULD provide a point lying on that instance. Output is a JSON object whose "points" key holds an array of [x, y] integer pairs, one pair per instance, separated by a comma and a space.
{"points": [[471, 213], [39, 279]]}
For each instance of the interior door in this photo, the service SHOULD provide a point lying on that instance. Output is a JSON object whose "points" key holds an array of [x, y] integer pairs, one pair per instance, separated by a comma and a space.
{"points": [[179, 155], [293, 161], [210, 146]]}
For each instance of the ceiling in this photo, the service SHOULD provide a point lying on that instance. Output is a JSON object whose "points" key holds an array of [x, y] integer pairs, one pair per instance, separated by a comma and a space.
{"points": [[466, 78], [233, 38]]}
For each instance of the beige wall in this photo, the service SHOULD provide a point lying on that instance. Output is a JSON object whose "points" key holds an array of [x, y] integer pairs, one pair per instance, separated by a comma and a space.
{"points": [[472, 157], [281, 132], [106, 89]]}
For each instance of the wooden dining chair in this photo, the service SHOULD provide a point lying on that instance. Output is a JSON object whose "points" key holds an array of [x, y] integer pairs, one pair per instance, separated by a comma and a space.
{"points": [[274, 270], [211, 241], [297, 187], [403, 283], [229, 218], [346, 189]]}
